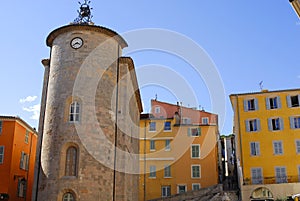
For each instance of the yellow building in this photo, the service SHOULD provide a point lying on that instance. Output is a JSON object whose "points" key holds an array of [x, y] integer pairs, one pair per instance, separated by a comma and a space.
{"points": [[296, 6], [178, 150], [267, 128]]}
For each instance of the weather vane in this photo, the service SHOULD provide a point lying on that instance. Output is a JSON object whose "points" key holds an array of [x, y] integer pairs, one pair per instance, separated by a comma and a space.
{"points": [[84, 13]]}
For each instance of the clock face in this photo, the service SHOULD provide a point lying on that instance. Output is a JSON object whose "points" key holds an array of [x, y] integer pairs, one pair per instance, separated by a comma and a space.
{"points": [[76, 43]]}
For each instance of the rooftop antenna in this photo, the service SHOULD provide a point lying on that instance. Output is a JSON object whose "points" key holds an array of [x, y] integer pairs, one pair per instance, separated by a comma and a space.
{"points": [[261, 86], [84, 13]]}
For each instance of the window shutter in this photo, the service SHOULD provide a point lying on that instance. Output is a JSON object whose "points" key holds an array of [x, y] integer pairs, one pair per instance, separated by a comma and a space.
{"points": [[278, 101], [268, 103], [27, 162], [257, 148], [247, 125], [270, 124], [199, 131], [299, 99], [281, 123], [189, 132], [292, 123], [256, 103], [19, 187], [245, 105], [288, 100], [258, 124], [22, 160]]}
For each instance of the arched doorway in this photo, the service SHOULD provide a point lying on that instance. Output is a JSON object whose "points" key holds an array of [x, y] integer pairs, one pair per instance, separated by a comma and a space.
{"points": [[262, 194]]}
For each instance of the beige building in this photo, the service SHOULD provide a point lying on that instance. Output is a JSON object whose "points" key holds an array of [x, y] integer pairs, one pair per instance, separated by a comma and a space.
{"points": [[88, 131]]}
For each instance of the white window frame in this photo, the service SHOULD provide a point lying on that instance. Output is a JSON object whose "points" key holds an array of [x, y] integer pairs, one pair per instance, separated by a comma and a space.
{"points": [[278, 122], [157, 110], [68, 197], [75, 114], [289, 101], [191, 133], [165, 191], [165, 126], [192, 172], [167, 171], [186, 120], [295, 122], [199, 152], [22, 186], [152, 145], [205, 120], [167, 145], [196, 184], [282, 176], [152, 173], [257, 175], [2, 149], [297, 146], [248, 104], [252, 125], [24, 161], [181, 185], [278, 147], [254, 148], [152, 122]]}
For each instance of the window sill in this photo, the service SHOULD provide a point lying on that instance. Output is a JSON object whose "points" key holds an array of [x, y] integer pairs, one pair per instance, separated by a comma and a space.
{"points": [[152, 177], [168, 177]]}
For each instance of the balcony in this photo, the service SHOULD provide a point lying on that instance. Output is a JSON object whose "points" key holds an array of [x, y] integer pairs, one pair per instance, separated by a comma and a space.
{"points": [[271, 180]]}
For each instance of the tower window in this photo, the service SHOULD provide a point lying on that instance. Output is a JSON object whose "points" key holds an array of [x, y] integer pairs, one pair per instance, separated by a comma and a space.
{"points": [[71, 162], [74, 112], [68, 197]]}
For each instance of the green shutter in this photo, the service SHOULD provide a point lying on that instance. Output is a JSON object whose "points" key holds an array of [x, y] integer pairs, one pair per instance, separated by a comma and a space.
{"points": [[189, 132], [199, 131]]}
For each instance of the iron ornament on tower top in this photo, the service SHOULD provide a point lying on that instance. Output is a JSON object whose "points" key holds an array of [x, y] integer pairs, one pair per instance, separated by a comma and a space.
{"points": [[84, 13]]}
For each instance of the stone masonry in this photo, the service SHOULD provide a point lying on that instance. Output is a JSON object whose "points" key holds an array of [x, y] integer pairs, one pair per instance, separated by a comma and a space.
{"points": [[88, 75]]}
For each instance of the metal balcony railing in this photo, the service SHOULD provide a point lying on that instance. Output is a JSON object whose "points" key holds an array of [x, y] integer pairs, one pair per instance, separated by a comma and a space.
{"points": [[272, 180]]}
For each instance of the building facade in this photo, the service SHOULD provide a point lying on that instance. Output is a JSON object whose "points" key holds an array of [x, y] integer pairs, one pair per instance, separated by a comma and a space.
{"points": [[178, 150], [267, 128], [17, 156], [88, 145]]}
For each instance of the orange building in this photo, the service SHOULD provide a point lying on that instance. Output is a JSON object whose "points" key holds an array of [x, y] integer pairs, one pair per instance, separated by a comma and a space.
{"points": [[178, 150], [17, 156]]}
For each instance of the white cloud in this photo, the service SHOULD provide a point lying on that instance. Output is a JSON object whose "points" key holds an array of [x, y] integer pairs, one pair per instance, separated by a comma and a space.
{"points": [[28, 99], [35, 110]]}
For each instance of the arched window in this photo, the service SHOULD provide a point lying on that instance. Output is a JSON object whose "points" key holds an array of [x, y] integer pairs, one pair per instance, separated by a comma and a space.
{"points": [[71, 162], [68, 197], [74, 112]]}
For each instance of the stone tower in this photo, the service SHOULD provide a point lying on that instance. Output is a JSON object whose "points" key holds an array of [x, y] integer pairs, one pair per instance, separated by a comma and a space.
{"points": [[90, 108]]}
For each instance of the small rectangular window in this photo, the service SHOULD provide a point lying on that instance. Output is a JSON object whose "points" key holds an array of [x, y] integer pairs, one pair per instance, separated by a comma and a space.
{"points": [[274, 103], [165, 191], [22, 183], [280, 173], [196, 187], [277, 147], [167, 171], [152, 126], [157, 110], [295, 122], [205, 120], [27, 137], [254, 149], [1, 154], [152, 171], [252, 125], [298, 146], [152, 145], [74, 112], [195, 151], [194, 132], [275, 124], [295, 101], [196, 171], [186, 121], [24, 161], [167, 143], [1, 123], [181, 188], [256, 176], [167, 126]]}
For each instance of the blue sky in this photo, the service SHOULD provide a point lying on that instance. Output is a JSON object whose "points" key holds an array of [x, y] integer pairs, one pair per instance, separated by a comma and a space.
{"points": [[248, 41]]}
